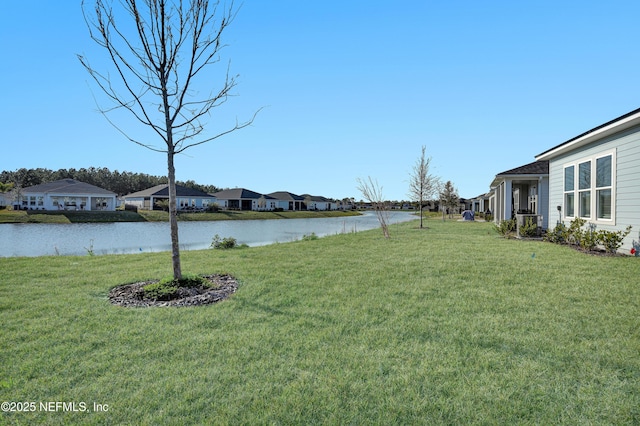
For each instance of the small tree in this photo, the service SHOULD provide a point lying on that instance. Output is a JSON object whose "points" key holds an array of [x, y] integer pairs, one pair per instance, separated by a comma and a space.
{"points": [[449, 198], [158, 49], [372, 193], [423, 185]]}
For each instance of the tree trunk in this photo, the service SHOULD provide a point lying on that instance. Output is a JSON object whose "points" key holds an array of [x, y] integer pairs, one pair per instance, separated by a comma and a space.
{"points": [[173, 217], [420, 213]]}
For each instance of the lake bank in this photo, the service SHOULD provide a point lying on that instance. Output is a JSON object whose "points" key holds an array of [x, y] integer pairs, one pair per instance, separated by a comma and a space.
{"points": [[34, 216], [47, 239]]}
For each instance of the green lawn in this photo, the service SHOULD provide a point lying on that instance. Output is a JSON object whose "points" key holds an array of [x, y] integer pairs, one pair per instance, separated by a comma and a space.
{"points": [[446, 325]]}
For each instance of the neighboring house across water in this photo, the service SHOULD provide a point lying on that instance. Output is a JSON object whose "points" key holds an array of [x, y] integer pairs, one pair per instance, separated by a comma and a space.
{"points": [[244, 199], [5, 199], [316, 202], [524, 191], [186, 198], [67, 194], [596, 176], [287, 201]]}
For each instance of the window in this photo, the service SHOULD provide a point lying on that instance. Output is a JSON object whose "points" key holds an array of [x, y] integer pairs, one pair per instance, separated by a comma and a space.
{"points": [[603, 187], [569, 195], [584, 189], [594, 192]]}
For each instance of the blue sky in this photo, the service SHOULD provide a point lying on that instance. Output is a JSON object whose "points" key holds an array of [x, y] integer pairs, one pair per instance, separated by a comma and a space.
{"points": [[350, 89]]}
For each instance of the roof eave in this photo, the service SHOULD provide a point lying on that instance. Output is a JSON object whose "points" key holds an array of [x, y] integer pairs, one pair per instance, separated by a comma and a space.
{"points": [[609, 129]]}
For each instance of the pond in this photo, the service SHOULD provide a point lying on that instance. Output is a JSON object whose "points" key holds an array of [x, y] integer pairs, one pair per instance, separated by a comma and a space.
{"points": [[33, 240]]}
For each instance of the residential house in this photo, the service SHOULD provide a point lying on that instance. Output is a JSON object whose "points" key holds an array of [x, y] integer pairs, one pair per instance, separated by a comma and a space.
{"points": [[596, 176], [480, 204], [316, 202], [67, 194], [5, 199], [522, 191], [244, 199], [186, 198], [287, 201]]}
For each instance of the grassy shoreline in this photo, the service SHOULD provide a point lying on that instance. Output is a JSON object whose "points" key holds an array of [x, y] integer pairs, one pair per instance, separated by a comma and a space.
{"points": [[446, 325], [21, 216]]}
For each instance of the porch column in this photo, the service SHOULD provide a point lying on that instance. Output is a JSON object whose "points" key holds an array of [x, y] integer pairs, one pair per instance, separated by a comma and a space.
{"points": [[508, 199]]}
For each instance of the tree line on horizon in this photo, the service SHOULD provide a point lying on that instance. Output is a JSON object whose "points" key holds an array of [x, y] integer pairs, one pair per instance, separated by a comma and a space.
{"points": [[122, 183]]}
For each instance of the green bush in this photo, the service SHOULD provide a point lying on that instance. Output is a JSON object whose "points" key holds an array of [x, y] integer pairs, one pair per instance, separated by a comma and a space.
{"points": [[612, 240], [506, 227], [223, 243], [160, 291], [557, 235], [166, 288], [310, 237], [529, 228], [589, 238]]}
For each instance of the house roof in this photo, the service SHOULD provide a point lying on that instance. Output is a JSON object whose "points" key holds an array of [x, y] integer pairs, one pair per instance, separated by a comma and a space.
{"points": [[621, 123], [317, 198], [285, 196], [163, 191], [67, 187], [535, 168], [238, 194]]}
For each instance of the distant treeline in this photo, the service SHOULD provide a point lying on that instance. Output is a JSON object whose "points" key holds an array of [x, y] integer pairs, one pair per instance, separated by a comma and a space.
{"points": [[121, 183]]}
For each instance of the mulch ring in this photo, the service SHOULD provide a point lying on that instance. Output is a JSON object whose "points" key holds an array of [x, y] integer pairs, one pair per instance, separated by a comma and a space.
{"points": [[132, 295]]}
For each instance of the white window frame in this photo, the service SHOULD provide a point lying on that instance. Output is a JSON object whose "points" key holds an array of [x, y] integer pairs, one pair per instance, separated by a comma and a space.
{"points": [[593, 190]]}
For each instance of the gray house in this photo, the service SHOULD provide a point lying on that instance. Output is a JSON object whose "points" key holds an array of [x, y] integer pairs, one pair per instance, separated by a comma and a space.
{"points": [[318, 202], [522, 191], [186, 198], [288, 201], [596, 176], [244, 199], [67, 194]]}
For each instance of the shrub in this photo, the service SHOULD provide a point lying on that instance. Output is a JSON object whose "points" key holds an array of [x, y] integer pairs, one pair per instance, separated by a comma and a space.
{"points": [[557, 235], [529, 228], [161, 290], [506, 227], [225, 243], [574, 232], [589, 239], [310, 237], [612, 240], [167, 288]]}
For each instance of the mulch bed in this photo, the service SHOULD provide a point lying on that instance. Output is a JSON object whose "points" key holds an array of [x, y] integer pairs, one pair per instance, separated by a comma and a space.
{"points": [[132, 295]]}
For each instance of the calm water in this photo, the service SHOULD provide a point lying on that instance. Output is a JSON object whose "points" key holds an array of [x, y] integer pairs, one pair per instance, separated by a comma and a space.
{"points": [[138, 237]]}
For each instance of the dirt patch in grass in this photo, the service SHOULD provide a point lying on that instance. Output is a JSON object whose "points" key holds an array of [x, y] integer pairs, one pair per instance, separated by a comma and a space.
{"points": [[133, 295]]}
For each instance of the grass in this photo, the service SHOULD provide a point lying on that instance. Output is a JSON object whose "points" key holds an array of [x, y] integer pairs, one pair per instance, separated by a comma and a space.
{"points": [[446, 325], [22, 216]]}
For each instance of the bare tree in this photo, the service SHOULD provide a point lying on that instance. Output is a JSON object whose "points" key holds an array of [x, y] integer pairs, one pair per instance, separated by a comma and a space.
{"points": [[423, 185], [449, 198], [372, 193], [158, 50]]}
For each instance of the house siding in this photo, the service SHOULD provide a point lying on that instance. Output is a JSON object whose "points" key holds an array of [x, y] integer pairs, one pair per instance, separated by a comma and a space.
{"points": [[626, 145]]}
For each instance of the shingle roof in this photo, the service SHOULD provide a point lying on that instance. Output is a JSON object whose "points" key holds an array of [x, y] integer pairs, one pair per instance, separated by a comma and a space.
{"points": [[535, 168], [238, 194], [286, 196], [66, 186], [163, 191], [318, 198]]}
